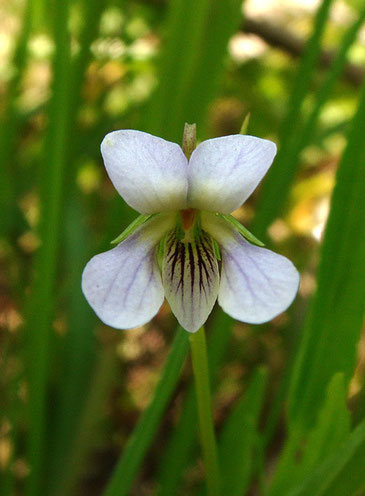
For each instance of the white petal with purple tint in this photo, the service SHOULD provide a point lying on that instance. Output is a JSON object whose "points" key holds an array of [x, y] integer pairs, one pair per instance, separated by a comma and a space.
{"points": [[148, 172], [190, 277], [256, 283], [123, 285], [223, 172]]}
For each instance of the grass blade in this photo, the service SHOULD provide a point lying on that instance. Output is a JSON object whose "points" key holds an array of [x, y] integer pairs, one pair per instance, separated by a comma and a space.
{"points": [[331, 430], [343, 473], [239, 436], [41, 305], [198, 32], [278, 178], [79, 342], [142, 435], [334, 324], [9, 125]]}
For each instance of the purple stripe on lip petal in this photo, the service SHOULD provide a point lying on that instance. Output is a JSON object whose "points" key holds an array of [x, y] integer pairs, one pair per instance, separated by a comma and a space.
{"points": [[189, 271]]}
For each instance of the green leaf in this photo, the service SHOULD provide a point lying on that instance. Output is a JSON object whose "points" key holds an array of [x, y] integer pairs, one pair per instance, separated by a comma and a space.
{"points": [[41, 302], [131, 228], [9, 123], [303, 452], [142, 436], [342, 473], [333, 328], [283, 173], [242, 230], [192, 62], [238, 438], [277, 181]]}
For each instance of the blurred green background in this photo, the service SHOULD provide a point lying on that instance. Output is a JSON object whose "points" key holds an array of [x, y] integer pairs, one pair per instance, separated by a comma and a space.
{"points": [[289, 397]]}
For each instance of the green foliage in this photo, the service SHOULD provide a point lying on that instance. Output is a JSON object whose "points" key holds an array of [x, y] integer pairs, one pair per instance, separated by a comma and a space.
{"points": [[335, 320], [143, 433], [192, 63], [340, 474], [41, 305], [332, 428], [239, 438], [77, 69]]}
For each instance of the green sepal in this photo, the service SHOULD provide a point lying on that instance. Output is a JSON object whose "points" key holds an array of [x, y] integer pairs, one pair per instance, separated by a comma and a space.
{"points": [[242, 230], [131, 228]]}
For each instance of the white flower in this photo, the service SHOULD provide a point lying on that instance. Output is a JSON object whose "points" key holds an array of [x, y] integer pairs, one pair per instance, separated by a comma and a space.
{"points": [[174, 252]]}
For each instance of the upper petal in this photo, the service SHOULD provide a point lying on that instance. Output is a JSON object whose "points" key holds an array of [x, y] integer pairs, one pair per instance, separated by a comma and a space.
{"points": [[148, 172], [123, 285], [190, 277], [256, 284], [223, 172]]}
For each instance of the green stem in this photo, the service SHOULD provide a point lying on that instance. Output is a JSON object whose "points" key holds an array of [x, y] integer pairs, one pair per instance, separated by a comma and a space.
{"points": [[202, 387]]}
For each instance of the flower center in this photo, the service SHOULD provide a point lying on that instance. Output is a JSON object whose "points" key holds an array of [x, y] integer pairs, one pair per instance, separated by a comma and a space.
{"points": [[188, 217]]}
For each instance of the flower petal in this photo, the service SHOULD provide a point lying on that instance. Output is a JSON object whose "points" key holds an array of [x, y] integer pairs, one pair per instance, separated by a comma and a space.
{"points": [[123, 285], [148, 172], [190, 277], [256, 284], [223, 172]]}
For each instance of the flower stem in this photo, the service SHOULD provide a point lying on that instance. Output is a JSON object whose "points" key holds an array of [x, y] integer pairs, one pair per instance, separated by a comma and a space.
{"points": [[202, 387]]}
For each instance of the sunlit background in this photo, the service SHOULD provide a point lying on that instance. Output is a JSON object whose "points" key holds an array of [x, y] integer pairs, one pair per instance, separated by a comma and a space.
{"points": [[72, 71]]}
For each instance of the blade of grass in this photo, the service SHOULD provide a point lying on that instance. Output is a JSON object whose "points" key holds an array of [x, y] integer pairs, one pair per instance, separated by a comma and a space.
{"points": [[198, 32], [288, 159], [238, 438], [325, 91], [278, 178], [100, 387], [9, 125], [142, 436], [183, 441], [41, 304], [333, 328], [342, 473], [331, 430], [79, 342], [79, 352]]}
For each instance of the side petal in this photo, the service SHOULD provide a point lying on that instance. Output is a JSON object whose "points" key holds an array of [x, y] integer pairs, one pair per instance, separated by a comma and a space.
{"points": [[148, 172], [190, 277], [256, 284], [123, 285], [223, 172]]}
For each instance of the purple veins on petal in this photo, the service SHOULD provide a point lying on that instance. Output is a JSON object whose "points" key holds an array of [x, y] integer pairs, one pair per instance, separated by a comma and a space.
{"points": [[190, 270]]}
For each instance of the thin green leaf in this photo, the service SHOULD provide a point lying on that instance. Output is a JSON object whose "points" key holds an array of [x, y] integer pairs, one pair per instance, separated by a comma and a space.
{"points": [[341, 474], [300, 458], [131, 228], [9, 124], [41, 304], [334, 324], [101, 382], [238, 438], [78, 357], [277, 180], [142, 436], [199, 33], [287, 161], [242, 230]]}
